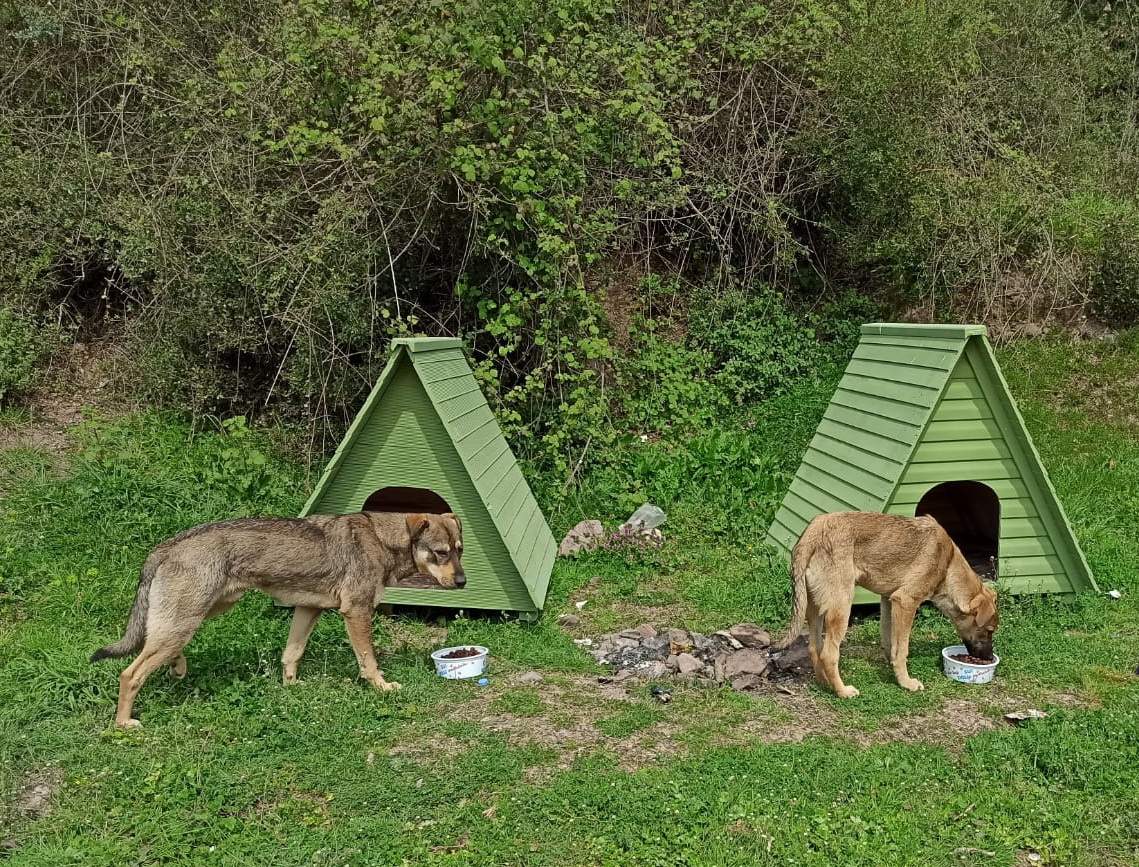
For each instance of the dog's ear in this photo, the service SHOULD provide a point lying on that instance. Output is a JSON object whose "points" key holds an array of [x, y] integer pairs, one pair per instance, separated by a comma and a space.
{"points": [[416, 524], [455, 518], [983, 607]]}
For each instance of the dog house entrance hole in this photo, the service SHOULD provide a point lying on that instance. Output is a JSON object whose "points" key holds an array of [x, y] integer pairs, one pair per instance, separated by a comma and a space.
{"points": [[406, 500], [398, 499], [970, 512]]}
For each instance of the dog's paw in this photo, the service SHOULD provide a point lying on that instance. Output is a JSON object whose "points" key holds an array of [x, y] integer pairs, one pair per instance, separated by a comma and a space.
{"points": [[389, 686], [129, 724], [912, 684], [178, 668], [847, 692]]}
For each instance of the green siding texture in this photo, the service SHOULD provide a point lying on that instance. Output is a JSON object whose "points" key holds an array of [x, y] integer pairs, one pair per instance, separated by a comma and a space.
{"points": [[923, 404], [427, 424]]}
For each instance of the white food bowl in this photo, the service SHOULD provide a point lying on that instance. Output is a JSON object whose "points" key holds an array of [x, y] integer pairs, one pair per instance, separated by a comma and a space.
{"points": [[462, 667], [967, 672]]}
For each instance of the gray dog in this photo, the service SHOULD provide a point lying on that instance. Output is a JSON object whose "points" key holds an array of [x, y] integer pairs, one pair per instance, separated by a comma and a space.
{"points": [[313, 563]]}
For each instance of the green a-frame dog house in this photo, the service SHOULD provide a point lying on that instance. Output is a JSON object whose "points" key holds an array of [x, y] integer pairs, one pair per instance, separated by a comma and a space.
{"points": [[426, 441], [923, 423]]}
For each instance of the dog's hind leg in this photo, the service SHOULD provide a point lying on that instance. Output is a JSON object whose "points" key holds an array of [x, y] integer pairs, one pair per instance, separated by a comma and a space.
{"points": [[836, 623], [161, 647], [178, 667], [903, 609], [815, 640], [304, 619], [885, 628], [358, 622]]}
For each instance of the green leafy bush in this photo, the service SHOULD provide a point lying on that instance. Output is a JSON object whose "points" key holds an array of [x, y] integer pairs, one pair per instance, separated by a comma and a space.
{"points": [[20, 350], [261, 195]]}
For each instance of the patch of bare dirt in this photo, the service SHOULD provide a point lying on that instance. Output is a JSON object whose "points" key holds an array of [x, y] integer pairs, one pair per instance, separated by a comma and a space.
{"points": [[567, 725], [436, 747], [79, 377], [36, 793]]}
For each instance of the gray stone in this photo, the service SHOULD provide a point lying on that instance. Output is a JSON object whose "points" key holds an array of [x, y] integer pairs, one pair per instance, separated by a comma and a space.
{"points": [[653, 670], [569, 621], [728, 639], [795, 657], [680, 636], [647, 630], [686, 663], [673, 661], [584, 536], [750, 635], [633, 634], [746, 681], [530, 678], [747, 661]]}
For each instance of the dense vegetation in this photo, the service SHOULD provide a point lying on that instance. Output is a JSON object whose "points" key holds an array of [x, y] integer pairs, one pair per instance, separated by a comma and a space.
{"points": [[253, 197]]}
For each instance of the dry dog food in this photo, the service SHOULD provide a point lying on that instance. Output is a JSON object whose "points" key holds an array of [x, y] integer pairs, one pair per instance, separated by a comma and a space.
{"points": [[972, 660], [461, 653]]}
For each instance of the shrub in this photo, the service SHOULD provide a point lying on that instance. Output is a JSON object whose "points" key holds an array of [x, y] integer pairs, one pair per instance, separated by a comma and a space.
{"points": [[20, 349]]}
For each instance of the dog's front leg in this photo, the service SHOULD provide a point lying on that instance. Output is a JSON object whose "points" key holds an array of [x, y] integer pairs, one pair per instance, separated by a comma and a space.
{"points": [[902, 611], [358, 622]]}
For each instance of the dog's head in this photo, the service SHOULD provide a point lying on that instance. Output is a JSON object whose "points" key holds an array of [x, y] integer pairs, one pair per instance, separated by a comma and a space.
{"points": [[437, 547], [977, 622]]}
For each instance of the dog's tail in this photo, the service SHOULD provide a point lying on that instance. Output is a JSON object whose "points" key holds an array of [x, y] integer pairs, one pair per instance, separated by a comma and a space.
{"points": [[136, 623], [800, 559]]}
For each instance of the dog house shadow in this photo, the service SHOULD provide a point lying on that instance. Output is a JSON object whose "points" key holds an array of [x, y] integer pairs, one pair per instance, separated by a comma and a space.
{"points": [[970, 512], [400, 499]]}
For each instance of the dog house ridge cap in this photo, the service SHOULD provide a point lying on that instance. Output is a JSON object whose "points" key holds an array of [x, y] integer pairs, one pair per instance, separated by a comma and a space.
{"points": [[428, 344], [909, 329]]}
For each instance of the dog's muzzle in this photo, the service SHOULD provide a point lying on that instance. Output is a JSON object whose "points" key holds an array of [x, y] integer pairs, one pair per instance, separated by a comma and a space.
{"points": [[980, 649]]}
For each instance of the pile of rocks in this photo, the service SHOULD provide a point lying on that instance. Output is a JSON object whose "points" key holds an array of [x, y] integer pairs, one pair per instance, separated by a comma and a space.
{"points": [[741, 656]]}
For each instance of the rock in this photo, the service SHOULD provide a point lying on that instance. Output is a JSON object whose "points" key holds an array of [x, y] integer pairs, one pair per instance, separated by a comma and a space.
{"points": [[673, 661], [686, 663], [750, 635], [585, 536], [718, 666], [679, 636], [622, 641], [530, 678], [795, 657], [728, 638], [744, 682], [569, 621], [633, 634], [747, 661], [1022, 716], [647, 630], [653, 669]]}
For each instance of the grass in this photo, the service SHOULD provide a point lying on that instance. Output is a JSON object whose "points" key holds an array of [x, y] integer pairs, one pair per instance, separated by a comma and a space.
{"points": [[233, 768]]}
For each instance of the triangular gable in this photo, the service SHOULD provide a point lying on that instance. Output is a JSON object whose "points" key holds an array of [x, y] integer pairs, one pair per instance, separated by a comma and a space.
{"points": [[919, 405], [454, 445], [979, 354]]}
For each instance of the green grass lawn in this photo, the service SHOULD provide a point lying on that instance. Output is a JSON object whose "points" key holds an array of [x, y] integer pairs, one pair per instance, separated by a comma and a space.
{"points": [[231, 767]]}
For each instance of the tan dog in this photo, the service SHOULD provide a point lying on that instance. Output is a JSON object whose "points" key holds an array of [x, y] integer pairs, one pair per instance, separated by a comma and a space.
{"points": [[906, 561], [313, 563]]}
